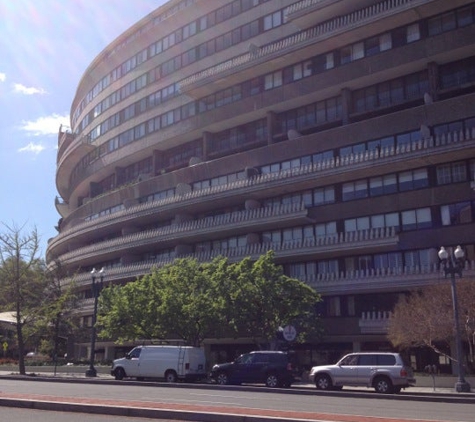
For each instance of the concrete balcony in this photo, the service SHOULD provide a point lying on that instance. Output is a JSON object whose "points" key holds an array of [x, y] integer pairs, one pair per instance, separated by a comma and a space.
{"points": [[375, 322], [199, 84], [77, 149], [440, 148], [192, 231], [61, 206], [307, 13], [352, 282]]}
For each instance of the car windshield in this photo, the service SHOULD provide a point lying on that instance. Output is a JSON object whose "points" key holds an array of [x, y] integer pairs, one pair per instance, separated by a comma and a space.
{"points": [[134, 353], [247, 358]]}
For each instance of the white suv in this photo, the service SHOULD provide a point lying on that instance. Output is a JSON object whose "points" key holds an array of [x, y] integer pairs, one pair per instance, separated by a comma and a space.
{"points": [[385, 372]]}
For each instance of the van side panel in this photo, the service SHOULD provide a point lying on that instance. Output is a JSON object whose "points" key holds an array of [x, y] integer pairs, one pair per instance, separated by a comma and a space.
{"points": [[188, 363]]}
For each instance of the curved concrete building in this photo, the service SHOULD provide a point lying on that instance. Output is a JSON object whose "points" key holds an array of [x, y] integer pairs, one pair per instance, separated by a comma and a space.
{"points": [[339, 133]]}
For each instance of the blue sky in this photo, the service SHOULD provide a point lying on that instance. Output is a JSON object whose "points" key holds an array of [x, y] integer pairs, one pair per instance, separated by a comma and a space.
{"points": [[45, 47]]}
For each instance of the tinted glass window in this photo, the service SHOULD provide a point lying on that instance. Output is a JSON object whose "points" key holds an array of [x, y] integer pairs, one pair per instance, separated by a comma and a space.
{"points": [[135, 353], [260, 358], [244, 359], [350, 360], [278, 358], [386, 360], [367, 360]]}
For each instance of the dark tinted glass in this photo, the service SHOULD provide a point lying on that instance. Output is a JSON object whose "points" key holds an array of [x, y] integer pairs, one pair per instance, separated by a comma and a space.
{"points": [[386, 360], [367, 360]]}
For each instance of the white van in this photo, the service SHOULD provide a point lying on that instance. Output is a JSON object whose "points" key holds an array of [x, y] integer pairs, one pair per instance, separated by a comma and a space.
{"points": [[171, 363]]}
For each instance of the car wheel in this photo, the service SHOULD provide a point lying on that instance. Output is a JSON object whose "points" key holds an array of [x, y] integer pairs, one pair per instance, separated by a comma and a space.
{"points": [[272, 381], [383, 385], [323, 382], [171, 376], [119, 374], [222, 378]]}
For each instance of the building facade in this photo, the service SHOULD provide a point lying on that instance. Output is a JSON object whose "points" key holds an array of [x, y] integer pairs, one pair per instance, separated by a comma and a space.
{"points": [[338, 133]]}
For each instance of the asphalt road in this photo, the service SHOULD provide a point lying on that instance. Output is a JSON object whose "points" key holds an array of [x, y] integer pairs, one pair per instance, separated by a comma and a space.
{"points": [[361, 404]]}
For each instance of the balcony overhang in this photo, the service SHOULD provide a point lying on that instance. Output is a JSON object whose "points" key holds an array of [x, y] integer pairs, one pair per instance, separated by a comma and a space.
{"points": [[73, 154], [62, 207], [306, 13], [262, 59]]}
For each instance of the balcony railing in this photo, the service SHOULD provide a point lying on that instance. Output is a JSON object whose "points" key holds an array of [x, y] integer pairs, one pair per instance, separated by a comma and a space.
{"points": [[436, 144], [188, 229], [351, 282], [375, 322], [329, 28]]}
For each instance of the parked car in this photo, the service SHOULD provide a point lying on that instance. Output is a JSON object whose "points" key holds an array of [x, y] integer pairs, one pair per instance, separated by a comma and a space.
{"points": [[275, 369], [385, 372], [36, 357], [171, 363]]}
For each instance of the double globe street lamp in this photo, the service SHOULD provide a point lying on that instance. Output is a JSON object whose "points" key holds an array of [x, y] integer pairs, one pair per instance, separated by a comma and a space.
{"points": [[96, 288], [453, 263]]}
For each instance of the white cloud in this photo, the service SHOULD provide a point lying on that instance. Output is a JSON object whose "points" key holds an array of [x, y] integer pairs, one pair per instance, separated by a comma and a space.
{"points": [[33, 148], [3, 77], [22, 89], [48, 125]]}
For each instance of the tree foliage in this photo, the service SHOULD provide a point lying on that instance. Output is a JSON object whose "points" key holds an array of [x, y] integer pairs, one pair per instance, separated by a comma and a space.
{"points": [[426, 318], [193, 301], [54, 319], [22, 281]]}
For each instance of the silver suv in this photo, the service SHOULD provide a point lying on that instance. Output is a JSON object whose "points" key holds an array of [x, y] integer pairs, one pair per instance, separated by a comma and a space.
{"points": [[385, 372]]}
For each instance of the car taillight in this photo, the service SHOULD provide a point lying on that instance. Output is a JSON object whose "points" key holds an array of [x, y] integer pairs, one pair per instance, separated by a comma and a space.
{"points": [[403, 373]]}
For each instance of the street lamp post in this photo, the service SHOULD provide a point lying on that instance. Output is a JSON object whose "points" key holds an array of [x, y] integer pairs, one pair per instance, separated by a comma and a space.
{"points": [[453, 264], [96, 286]]}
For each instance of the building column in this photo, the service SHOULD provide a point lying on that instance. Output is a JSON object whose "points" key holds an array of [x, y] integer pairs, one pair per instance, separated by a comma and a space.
{"points": [[433, 71], [345, 105], [271, 123], [206, 142]]}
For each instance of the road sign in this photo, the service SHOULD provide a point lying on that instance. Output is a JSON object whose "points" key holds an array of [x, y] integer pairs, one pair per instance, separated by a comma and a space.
{"points": [[289, 333]]}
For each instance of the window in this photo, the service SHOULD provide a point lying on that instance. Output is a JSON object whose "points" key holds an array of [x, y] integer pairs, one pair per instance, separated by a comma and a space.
{"points": [[416, 219], [383, 185], [420, 258], [272, 21], [273, 80], [385, 220], [451, 173], [413, 33], [356, 224], [334, 307], [355, 190], [324, 195], [325, 229], [357, 51], [389, 260], [415, 179], [459, 213], [301, 70], [442, 23]]}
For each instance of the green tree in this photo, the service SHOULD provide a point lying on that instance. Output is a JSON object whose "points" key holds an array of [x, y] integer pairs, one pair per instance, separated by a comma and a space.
{"points": [[264, 300], [194, 301], [175, 301], [22, 281]]}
